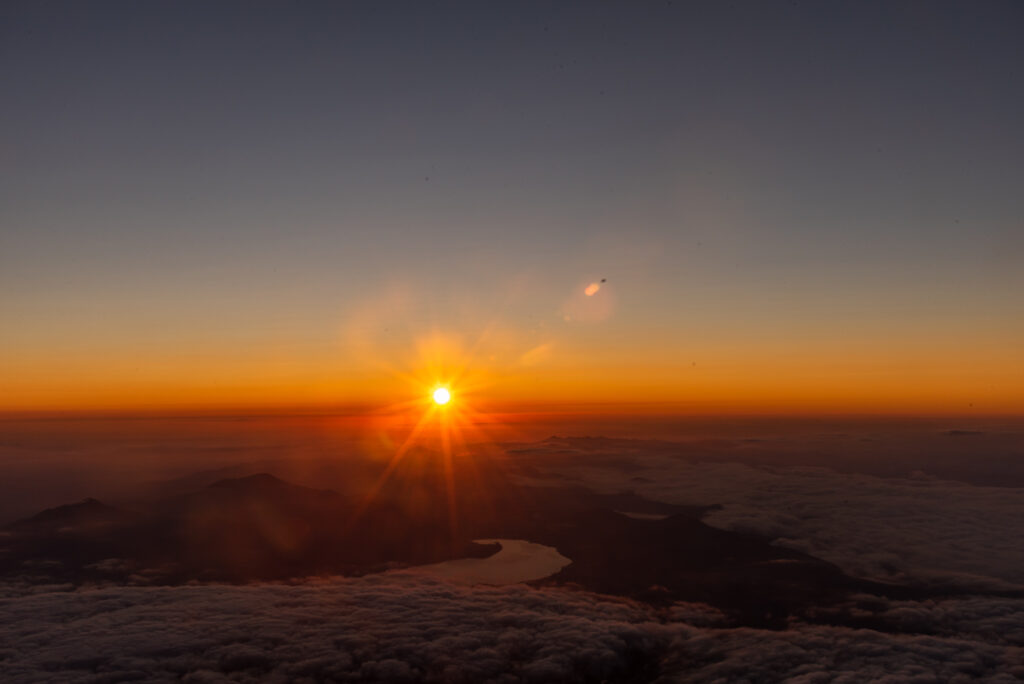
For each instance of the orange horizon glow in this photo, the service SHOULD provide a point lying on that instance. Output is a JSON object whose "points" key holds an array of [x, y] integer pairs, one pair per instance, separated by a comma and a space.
{"points": [[775, 405], [721, 388], [509, 369]]}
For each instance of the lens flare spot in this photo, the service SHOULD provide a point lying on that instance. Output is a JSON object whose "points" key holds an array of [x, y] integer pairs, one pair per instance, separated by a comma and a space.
{"points": [[442, 396], [592, 289]]}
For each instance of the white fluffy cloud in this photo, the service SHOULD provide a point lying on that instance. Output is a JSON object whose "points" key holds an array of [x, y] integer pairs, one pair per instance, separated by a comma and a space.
{"points": [[805, 655], [383, 628], [879, 528], [397, 628]]}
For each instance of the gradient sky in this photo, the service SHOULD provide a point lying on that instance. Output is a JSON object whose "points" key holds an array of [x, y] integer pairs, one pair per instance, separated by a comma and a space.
{"points": [[797, 206]]}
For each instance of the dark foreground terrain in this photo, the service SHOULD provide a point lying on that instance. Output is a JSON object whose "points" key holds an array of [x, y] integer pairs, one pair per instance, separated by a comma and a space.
{"points": [[260, 527], [272, 570]]}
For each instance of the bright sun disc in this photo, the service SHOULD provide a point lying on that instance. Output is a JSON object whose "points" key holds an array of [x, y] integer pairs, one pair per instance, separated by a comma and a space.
{"points": [[442, 396]]}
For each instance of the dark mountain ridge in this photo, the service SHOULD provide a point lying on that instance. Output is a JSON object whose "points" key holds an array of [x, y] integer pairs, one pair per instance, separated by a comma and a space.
{"points": [[260, 527], [86, 512]]}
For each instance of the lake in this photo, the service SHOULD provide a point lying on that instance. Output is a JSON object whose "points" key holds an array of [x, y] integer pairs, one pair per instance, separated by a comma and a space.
{"points": [[517, 561]]}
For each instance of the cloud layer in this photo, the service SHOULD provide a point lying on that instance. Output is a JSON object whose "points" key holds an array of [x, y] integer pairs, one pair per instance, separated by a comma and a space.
{"points": [[381, 628], [406, 628], [892, 529]]}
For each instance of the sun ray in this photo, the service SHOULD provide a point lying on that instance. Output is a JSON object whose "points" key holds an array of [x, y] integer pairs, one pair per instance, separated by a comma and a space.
{"points": [[390, 468], [449, 478], [443, 382]]}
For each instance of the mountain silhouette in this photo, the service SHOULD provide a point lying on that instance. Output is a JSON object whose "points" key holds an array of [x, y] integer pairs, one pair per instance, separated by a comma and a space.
{"points": [[260, 527], [236, 529], [86, 512]]}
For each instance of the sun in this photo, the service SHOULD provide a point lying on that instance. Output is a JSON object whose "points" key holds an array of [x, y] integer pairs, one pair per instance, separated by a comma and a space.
{"points": [[442, 396]]}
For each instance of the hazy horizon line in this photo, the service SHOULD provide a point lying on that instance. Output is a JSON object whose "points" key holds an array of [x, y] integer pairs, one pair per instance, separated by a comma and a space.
{"points": [[521, 411]]}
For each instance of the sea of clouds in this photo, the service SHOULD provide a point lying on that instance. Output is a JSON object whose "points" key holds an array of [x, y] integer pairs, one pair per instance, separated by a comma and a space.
{"points": [[408, 628], [414, 628], [920, 530]]}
